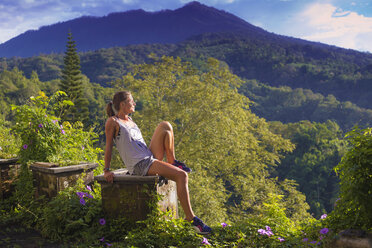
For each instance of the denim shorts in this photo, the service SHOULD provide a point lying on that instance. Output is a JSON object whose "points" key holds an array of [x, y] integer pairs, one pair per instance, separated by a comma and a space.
{"points": [[143, 166]]}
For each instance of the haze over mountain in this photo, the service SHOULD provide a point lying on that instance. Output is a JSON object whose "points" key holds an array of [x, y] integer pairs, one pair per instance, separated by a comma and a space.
{"points": [[124, 28]]}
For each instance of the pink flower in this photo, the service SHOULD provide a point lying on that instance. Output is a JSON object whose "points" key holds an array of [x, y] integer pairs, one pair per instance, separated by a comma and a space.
{"points": [[205, 241], [323, 216]]}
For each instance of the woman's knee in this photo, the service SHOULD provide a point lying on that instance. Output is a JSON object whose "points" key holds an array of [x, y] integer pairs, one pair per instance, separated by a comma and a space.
{"points": [[182, 176], [166, 125]]}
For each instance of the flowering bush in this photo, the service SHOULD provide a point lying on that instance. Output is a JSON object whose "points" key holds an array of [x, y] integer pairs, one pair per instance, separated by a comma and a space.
{"points": [[44, 138], [75, 214], [9, 144]]}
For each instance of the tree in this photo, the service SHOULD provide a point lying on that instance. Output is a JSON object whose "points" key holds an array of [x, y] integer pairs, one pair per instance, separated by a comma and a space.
{"points": [[227, 146], [353, 210], [319, 147], [72, 84]]}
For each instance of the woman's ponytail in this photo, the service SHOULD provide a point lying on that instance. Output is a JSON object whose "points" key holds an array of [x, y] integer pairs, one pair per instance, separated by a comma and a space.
{"points": [[109, 109]]}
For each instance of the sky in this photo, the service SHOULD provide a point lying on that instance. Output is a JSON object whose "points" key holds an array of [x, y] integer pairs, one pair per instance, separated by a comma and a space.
{"points": [[343, 23]]}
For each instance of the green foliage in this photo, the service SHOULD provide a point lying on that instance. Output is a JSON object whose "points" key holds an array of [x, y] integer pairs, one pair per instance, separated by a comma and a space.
{"points": [[9, 143], [21, 207], [216, 134], [293, 105], [43, 139], [65, 218], [353, 210], [319, 147], [72, 84], [159, 230]]}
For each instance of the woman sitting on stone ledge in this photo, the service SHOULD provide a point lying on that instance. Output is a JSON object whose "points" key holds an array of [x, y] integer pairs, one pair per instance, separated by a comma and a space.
{"points": [[142, 160]]}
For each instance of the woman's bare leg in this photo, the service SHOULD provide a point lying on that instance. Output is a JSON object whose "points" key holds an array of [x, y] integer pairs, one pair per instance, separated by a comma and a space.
{"points": [[173, 173], [162, 142]]}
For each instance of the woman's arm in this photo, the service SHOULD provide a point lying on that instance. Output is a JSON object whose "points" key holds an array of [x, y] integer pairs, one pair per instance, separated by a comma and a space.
{"points": [[110, 130]]}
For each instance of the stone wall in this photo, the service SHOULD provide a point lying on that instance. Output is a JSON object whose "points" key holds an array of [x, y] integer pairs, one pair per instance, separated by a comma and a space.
{"points": [[50, 179], [9, 170], [130, 196]]}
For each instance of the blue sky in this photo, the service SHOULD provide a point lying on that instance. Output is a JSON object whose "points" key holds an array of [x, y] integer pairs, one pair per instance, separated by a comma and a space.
{"points": [[344, 23]]}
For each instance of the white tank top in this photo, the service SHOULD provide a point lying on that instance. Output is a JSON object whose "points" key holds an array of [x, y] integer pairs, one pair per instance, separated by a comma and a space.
{"points": [[131, 145]]}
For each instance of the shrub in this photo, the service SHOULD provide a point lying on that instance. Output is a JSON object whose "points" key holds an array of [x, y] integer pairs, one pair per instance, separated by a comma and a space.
{"points": [[44, 138], [9, 144]]}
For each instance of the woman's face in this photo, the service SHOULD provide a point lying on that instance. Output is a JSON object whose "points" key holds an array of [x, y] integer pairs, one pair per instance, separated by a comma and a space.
{"points": [[128, 106]]}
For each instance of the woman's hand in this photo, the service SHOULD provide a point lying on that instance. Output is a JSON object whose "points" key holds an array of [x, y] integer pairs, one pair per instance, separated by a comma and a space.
{"points": [[109, 176]]}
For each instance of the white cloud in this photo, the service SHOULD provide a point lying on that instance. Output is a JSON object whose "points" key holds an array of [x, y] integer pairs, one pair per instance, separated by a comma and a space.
{"points": [[326, 23]]}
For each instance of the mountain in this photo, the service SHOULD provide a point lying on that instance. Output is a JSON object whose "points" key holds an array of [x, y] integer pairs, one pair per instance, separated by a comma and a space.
{"points": [[124, 28]]}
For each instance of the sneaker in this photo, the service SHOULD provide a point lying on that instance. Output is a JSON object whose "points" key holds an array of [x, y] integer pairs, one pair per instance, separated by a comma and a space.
{"points": [[182, 166], [200, 227]]}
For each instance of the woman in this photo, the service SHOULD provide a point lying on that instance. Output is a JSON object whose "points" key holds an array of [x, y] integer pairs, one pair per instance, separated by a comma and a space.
{"points": [[142, 160]]}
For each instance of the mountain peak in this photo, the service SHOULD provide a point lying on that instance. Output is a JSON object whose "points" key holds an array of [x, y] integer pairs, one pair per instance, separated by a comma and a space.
{"points": [[126, 28]]}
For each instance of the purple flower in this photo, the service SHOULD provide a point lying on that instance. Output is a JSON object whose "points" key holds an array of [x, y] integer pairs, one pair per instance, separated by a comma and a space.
{"points": [[89, 188], [102, 221], [305, 240], [205, 241], [313, 242], [102, 239], [268, 228], [40, 125], [323, 216], [108, 244], [88, 195], [82, 148], [82, 201], [80, 194], [324, 231], [63, 131], [223, 224], [54, 121], [25, 147], [281, 239], [262, 231]]}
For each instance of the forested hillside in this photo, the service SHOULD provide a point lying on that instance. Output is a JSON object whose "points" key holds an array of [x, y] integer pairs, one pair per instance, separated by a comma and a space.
{"points": [[322, 82]]}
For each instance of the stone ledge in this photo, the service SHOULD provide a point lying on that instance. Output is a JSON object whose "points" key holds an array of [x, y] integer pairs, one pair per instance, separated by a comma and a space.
{"points": [[8, 161], [43, 167], [121, 176]]}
